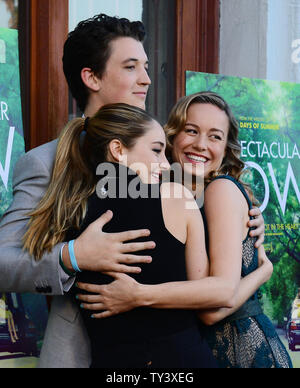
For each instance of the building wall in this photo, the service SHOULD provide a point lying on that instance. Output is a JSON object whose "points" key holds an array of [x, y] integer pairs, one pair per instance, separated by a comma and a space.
{"points": [[260, 39], [243, 38]]}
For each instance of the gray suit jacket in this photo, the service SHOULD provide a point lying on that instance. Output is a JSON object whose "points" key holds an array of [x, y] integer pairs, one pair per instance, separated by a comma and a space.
{"points": [[66, 344]]}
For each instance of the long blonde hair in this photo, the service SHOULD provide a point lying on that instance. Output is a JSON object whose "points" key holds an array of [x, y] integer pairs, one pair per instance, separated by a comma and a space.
{"points": [[73, 180]]}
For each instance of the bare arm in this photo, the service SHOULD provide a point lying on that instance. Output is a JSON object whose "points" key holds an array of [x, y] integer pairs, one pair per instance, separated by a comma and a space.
{"points": [[217, 290], [225, 239], [248, 286], [223, 287], [225, 209]]}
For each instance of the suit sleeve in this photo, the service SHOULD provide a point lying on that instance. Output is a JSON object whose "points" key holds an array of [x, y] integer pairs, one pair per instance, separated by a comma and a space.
{"points": [[20, 272]]}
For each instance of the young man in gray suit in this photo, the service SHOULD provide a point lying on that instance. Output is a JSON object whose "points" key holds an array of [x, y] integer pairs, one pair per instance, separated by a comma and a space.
{"points": [[104, 62]]}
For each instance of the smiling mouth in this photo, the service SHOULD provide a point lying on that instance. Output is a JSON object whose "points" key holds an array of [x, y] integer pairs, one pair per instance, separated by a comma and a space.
{"points": [[195, 159]]}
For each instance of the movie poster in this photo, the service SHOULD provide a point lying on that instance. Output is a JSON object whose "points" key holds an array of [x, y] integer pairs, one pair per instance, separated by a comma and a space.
{"points": [[22, 317], [269, 117]]}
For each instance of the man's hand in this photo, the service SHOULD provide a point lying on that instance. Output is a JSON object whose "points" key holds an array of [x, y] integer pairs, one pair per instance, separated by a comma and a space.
{"points": [[259, 224], [105, 252], [117, 297]]}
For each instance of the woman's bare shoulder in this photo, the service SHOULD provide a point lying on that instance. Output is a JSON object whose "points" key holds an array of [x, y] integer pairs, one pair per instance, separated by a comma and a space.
{"points": [[176, 191], [224, 201], [223, 189]]}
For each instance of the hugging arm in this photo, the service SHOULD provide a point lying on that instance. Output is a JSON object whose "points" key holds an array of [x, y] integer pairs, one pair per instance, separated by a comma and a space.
{"points": [[217, 193], [223, 289], [248, 286], [20, 272], [101, 252], [199, 292]]}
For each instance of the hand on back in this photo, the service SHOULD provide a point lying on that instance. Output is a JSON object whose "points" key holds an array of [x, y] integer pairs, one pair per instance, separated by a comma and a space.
{"points": [[98, 251]]}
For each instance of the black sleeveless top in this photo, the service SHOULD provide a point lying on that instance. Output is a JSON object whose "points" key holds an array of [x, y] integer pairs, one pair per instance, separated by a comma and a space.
{"points": [[168, 263]]}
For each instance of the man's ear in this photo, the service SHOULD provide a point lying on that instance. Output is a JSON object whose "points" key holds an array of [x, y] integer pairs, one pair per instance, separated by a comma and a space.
{"points": [[90, 79], [117, 151]]}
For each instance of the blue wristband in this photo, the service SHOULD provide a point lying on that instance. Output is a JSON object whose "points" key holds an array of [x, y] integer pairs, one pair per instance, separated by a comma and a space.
{"points": [[72, 257]]}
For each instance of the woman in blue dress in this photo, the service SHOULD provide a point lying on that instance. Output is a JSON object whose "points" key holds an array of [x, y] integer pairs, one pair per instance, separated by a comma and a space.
{"points": [[203, 137]]}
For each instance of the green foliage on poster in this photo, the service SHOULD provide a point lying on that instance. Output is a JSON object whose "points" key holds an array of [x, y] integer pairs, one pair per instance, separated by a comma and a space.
{"points": [[11, 128], [269, 117], [22, 337]]}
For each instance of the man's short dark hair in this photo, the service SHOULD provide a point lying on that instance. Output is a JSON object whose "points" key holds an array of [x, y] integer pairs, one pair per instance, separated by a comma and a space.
{"points": [[89, 46]]}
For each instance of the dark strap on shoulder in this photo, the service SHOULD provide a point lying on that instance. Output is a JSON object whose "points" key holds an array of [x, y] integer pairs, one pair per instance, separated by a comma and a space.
{"points": [[239, 185]]}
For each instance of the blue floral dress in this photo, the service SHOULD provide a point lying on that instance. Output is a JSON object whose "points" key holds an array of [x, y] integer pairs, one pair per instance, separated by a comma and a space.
{"points": [[247, 339]]}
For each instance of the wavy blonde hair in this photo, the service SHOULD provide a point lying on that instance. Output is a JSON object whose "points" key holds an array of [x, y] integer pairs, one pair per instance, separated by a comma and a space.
{"points": [[232, 164], [73, 180]]}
